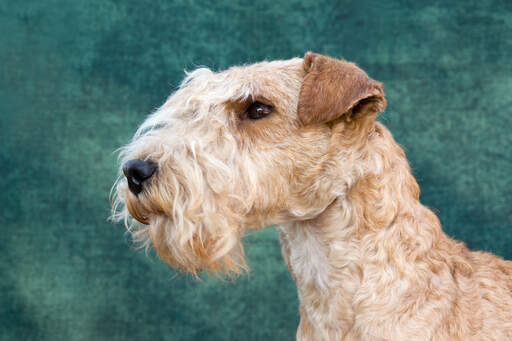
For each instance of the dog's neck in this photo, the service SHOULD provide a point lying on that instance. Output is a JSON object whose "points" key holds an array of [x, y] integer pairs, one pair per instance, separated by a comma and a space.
{"points": [[374, 225]]}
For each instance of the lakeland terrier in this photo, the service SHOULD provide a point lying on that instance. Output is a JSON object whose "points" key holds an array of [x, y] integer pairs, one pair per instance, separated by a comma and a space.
{"points": [[295, 144]]}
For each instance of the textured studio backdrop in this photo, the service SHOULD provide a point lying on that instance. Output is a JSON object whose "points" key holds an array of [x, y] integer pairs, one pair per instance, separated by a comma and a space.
{"points": [[78, 77]]}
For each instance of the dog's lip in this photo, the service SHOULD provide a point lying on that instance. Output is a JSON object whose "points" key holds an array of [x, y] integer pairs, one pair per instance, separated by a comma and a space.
{"points": [[145, 221]]}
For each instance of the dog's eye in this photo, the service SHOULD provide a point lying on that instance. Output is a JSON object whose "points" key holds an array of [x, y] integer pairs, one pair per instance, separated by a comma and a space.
{"points": [[258, 110]]}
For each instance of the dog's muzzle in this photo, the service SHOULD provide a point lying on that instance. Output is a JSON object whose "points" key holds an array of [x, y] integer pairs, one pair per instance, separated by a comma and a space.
{"points": [[136, 172]]}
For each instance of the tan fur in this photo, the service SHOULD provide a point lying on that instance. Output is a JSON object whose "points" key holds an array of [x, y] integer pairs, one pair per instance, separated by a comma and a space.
{"points": [[370, 261]]}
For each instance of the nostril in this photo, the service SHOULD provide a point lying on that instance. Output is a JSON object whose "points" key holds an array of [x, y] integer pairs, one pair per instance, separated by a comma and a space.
{"points": [[140, 170], [136, 172]]}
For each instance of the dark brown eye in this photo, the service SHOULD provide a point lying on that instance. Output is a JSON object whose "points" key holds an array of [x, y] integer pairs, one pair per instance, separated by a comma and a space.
{"points": [[258, 110]]}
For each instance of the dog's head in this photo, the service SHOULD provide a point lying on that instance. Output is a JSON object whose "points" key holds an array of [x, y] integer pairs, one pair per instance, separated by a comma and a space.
{"points": [[242, 149]]}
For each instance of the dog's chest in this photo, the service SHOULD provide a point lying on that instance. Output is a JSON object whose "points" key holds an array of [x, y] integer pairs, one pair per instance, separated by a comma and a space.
{"points": [[305, 257]]}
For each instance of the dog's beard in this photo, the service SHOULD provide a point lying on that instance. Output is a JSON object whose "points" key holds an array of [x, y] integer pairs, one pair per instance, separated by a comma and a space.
{"points": [[212, 244], [192, 224]]}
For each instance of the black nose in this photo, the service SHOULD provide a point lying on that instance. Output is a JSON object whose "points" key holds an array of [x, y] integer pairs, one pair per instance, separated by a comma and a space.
{"points": [[136, 172]]}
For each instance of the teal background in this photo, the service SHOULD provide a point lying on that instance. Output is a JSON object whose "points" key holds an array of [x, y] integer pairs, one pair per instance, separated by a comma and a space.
{"points": [[77, 77]]}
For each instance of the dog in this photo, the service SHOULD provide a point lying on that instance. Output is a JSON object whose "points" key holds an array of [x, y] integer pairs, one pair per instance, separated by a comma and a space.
{"points": [[296, 144]]}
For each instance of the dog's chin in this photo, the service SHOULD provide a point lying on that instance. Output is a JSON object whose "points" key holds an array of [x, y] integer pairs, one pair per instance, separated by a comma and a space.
{"points": [[198, 250], [189, 245]]}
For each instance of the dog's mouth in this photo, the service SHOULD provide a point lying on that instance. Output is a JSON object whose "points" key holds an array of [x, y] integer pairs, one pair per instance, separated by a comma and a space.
{"points": [[140, 206], [137, 214]]}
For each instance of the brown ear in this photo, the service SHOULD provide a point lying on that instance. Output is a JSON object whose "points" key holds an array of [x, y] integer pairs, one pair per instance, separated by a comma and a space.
{"points": [[332, 87]]}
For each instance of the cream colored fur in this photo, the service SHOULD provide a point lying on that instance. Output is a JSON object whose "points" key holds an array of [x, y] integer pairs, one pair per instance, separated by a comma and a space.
{"points": [[370, 261]]}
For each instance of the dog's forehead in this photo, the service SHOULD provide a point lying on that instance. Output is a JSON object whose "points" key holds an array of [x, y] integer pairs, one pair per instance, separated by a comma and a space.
{"points": [[202, 89], [265, 69], [281, 75]]}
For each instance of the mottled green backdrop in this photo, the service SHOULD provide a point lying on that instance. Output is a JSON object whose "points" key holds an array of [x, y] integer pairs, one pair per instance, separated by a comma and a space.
{"points": [[77, 77]]}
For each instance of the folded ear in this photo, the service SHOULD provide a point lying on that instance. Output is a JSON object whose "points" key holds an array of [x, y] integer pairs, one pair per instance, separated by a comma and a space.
{"points": [[334, 87]]}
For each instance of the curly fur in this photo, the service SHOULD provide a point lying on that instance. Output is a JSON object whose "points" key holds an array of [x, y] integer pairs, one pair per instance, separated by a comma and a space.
{"points": [[370, 261]]}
